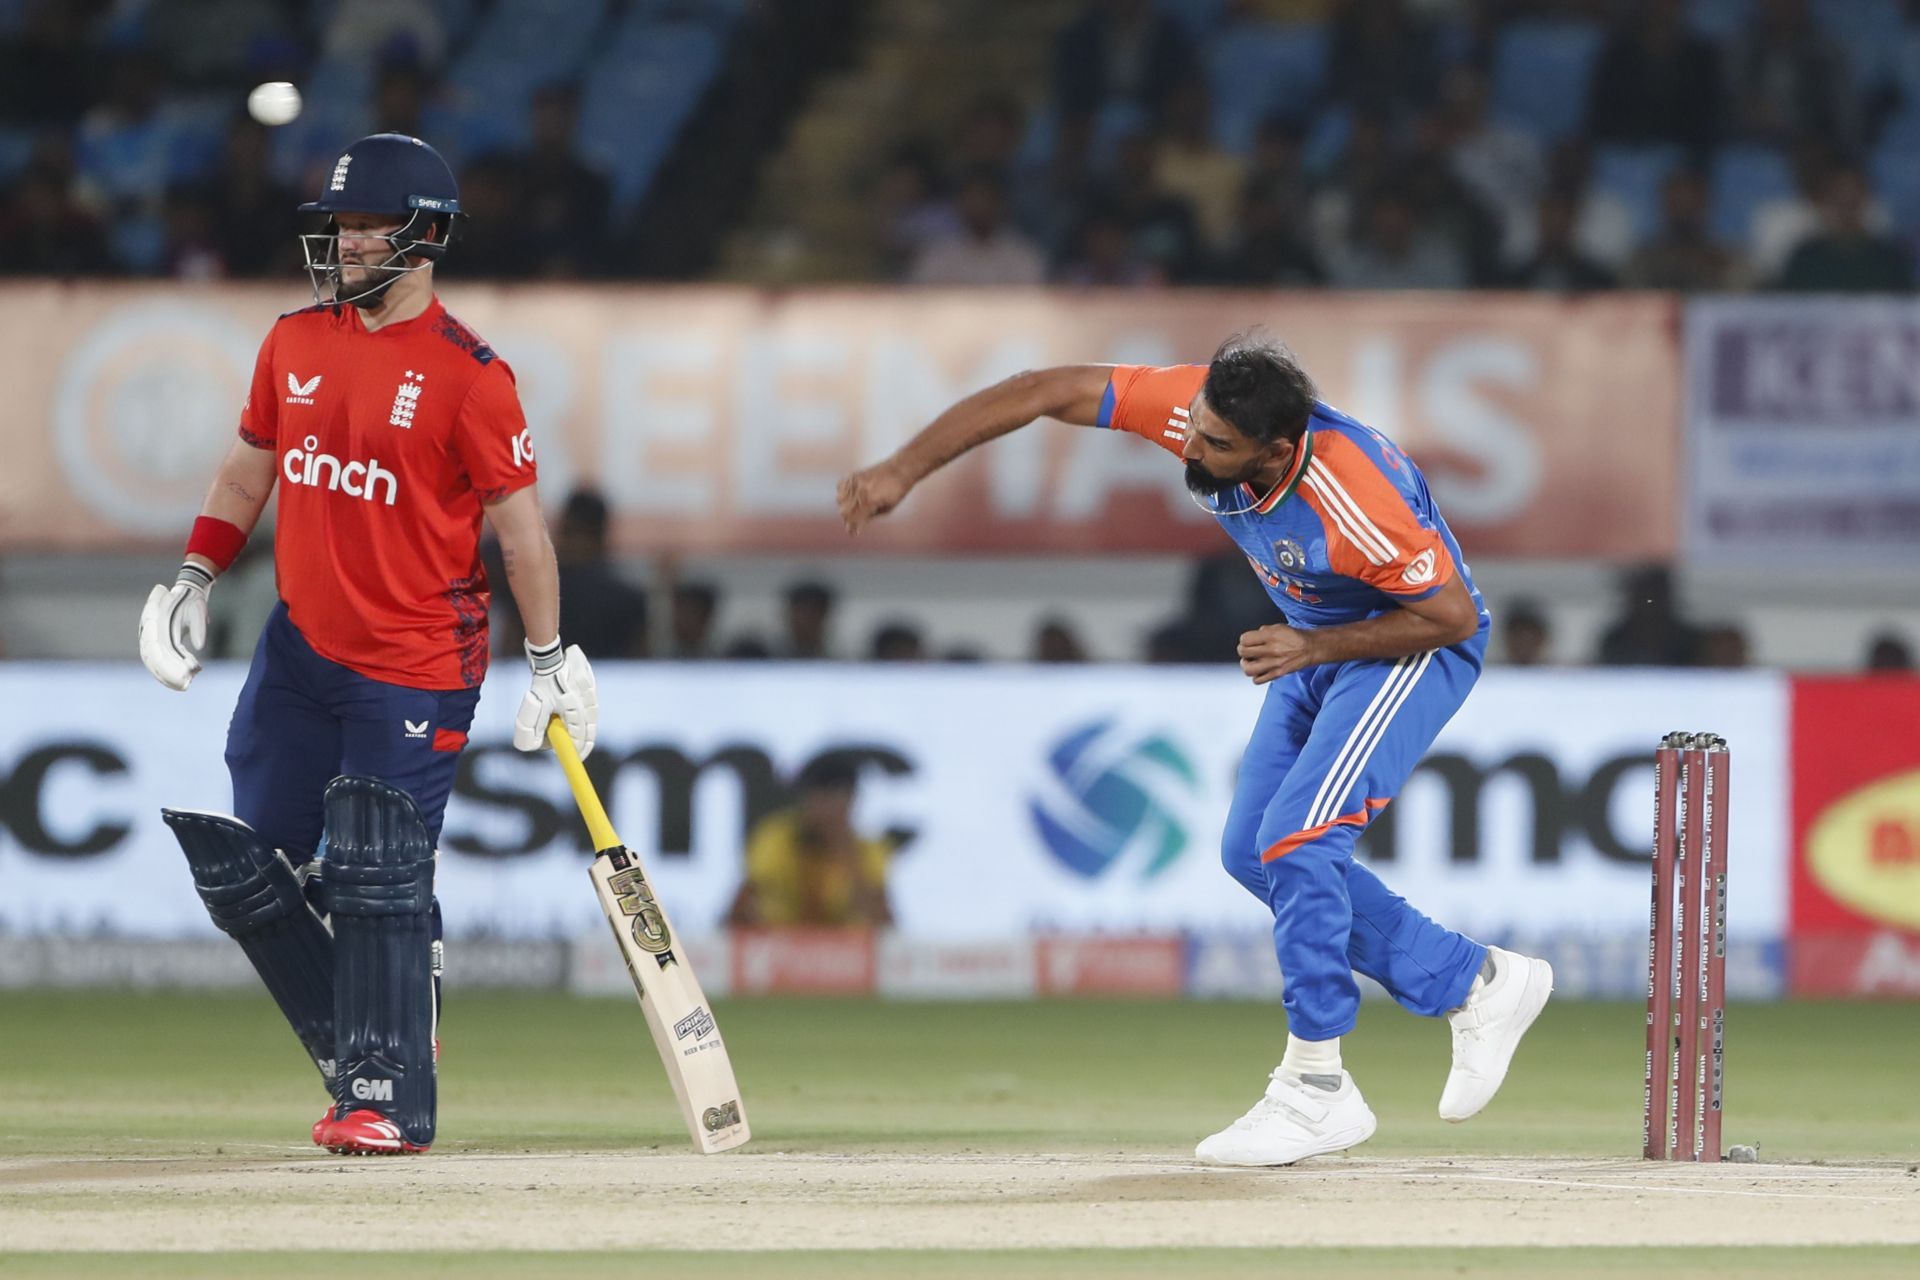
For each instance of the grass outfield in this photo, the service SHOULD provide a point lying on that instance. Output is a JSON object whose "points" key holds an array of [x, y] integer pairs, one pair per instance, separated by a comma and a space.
{"points": [[85, 1074], [211, 1077]]}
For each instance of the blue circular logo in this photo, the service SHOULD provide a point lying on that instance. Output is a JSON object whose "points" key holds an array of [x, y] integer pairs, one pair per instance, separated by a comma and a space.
{"points": [[1111, 799]]}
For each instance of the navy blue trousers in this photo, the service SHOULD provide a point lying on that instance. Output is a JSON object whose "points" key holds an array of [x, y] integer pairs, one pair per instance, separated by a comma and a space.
{"points": [[303, 720]]}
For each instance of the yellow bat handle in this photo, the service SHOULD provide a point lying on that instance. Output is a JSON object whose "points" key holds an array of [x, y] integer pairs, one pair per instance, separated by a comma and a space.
{"points": [[598, 826]]}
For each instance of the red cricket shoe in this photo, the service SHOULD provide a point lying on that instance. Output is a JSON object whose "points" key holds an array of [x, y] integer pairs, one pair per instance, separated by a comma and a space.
{"points": [[363, 1133]]}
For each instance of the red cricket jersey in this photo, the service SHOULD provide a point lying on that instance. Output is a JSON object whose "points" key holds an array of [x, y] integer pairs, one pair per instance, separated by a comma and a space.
{"points": [[388, 444]]}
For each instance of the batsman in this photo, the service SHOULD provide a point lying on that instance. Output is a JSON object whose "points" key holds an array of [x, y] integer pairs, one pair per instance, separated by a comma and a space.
{"points": [[1382, 638], [391, 430]]}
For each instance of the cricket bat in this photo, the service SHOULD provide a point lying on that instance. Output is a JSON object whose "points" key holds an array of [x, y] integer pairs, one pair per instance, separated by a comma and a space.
{"points": [[683, 1027]]}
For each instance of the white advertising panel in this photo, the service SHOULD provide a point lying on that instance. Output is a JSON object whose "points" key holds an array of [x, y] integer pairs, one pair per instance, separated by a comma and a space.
{"points": [[1801, 428], [1027, 800]]}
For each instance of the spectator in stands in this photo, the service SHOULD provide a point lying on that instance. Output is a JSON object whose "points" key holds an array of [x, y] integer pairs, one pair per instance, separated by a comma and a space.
{"points": [[1448, 206], [1781, 225], [1379, 53], [602, 612], [1846, 256], [806, 863], [1056, 641], [492, 245], [252, 213], [1656, 81], [911, 208], [1047, 197], [1169, 643], [563, 204], [1889, 652], [1160, 224], [1649, 631], [1276, 156], [400, 94], [1524, 635], [1368, 161], [1683, 254], [44, 232], [1272, 249], [1395, 248], [897, 642], [193, 250], [1120, 51], [747, 648], [1558, 265], [1500, 166], [1192, 167], [1225, 600], [987, 249], [123, 153], [809, 617], [1103, 256], [1603, 224], [690, 616], [1787, 80], [989, 135], [1723, 644]]}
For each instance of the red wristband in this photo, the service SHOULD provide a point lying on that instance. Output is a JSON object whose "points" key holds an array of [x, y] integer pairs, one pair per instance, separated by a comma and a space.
{"points": [[218, 540]]}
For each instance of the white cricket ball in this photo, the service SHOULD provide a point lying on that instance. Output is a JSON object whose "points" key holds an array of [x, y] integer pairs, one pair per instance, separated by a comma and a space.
{"points": [[275, 102]]}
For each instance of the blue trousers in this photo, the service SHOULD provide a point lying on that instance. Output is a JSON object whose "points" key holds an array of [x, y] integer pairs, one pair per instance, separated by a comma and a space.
{"points": [[1333, 745], [303, 720]]}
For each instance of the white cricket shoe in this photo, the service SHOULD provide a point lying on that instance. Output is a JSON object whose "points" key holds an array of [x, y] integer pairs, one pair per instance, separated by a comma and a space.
{"points": [[1292, 1120], [1487, 1029]]}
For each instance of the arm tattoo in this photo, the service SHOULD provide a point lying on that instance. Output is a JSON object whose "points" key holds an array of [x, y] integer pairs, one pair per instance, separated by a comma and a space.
{"points": [[507, 558], [239, 491]]}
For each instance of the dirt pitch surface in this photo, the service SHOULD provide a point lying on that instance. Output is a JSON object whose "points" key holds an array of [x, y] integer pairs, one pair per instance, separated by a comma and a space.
{"points": [[267, 1198]]}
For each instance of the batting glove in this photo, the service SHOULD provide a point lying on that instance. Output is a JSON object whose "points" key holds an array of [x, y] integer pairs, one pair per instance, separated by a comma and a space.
{"points": [[173, 627], [562, 686]]}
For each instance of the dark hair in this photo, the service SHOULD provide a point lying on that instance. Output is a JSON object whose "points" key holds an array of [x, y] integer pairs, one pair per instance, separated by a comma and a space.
{"points": [[817, 595], [1258, 386], [831, 771], [585, 511], [702, 595]]}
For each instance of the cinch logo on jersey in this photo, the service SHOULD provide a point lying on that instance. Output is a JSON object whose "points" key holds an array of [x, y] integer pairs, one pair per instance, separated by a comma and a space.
{"points": [[323, 470], [1112, 798], [405, 398], [299, 392], [373, 1090]]}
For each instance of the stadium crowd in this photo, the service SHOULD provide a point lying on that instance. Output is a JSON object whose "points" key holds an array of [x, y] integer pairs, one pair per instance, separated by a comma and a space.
{"points": [[1348, 144]]}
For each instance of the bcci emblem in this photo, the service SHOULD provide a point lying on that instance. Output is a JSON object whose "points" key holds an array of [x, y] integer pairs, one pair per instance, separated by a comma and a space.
{"points": [[1290, 555]]}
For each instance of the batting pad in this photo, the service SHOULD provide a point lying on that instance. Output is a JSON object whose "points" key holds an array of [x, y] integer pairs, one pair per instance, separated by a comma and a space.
{"points": [[378, 889], [254, 897]]}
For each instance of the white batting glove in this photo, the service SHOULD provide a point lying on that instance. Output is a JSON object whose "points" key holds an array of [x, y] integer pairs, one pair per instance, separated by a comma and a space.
{"points": [[173, 627], [562, 686]]}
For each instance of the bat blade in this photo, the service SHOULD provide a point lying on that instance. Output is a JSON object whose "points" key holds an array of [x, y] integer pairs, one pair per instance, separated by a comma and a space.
{"points": [[677, 1011]]}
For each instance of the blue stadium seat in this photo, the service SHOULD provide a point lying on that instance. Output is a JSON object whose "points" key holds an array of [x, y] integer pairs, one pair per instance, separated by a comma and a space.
{"points": [[1745, 177], [1540, 76], [1262, 70], [638, 95], [1635, 175], [1869, 32], [718, 13], [523, 45]]}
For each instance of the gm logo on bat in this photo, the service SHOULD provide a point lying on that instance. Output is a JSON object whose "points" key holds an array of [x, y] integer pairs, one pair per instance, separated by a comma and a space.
{"points": [[724, 1116]]}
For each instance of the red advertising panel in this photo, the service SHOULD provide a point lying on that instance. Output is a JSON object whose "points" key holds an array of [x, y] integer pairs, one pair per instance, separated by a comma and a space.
{"points": [[820, 962], [1082, 966], [1855, 915], [719, 419]]}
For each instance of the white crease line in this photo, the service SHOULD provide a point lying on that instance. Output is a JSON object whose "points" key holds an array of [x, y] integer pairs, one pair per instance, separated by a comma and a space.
{"points": [[1682, 1191]]}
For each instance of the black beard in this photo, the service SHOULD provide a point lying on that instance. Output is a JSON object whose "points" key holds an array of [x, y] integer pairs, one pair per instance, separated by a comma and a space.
{"points": [[1203, 483]]}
